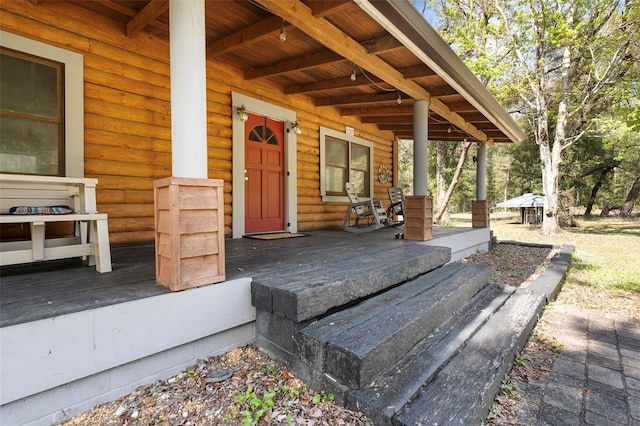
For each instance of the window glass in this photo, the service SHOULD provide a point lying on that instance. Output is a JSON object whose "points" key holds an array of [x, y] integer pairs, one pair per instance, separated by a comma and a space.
{"points": [[336, 152], [360, 168], [335, 180], [336, 166], [359, 157], [270, 136], [29, 146], [31, 117], [263, 134]]}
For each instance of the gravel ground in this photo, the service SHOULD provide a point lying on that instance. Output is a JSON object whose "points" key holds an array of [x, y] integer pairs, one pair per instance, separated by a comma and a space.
{"points": [[245, 387]]}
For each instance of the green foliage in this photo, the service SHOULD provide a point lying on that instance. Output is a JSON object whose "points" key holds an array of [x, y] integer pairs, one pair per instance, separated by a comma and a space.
{"points": [[258, 406], [269, 369], [521, 360], [321, 397], [254, 406], [508, 388], [538, 58]]}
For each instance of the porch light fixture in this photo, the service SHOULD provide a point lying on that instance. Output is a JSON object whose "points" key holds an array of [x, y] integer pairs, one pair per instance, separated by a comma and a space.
{"points": [[449, 129], [242, 113], [353, 74], [283, 34], [295, 127], [399, 98]]}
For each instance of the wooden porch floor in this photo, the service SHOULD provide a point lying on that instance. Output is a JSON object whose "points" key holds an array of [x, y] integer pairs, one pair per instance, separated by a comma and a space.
{"points": [[49, 289]]}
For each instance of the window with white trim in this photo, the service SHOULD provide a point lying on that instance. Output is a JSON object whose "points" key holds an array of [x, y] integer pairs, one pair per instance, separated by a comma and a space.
{"points": [[344, 158], [31, 114], [42, 108]]}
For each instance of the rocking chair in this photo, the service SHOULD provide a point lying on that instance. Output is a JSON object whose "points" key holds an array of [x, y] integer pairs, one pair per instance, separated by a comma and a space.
{"points": [[396, 197], [373, 213]]}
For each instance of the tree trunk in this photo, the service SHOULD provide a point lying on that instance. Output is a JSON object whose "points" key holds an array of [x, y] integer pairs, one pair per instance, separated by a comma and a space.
{"points": [[454, 181], [441, 182], [595, 189], [632, 196], [551, 167]]}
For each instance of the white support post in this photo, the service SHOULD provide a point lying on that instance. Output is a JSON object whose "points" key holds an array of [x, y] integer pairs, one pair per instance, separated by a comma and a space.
{"points": [[188, 88], [420, 149], [481, 172]]}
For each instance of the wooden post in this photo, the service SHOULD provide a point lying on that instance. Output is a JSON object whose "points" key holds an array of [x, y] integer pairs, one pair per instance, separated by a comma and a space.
{"points": [[480, 214], [189, 222], [418, 219]]}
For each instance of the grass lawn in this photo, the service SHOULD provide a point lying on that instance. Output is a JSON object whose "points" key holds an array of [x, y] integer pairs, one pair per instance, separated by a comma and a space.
{"points": [[605, 267]]}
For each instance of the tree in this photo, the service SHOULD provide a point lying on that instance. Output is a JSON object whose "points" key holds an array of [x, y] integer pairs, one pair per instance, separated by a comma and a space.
{"points": [[564, 63], [632, 196], [443, 192]]}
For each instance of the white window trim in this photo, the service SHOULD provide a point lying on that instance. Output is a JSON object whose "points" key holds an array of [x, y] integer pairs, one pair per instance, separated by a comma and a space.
{"points": [[73, 95], [324, 132]]}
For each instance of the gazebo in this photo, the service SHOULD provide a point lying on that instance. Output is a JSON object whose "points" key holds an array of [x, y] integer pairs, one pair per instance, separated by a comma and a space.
{"points": [[531, 207]]}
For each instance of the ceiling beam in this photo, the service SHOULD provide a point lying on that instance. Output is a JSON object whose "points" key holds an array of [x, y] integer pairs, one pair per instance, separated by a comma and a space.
{"points": [[358, 99], [256, 32], [396, 127], [462, 106], [146, 16], [333, 83], [346, 82], [364, 111], [474, 117], [118, 8], [300, 15], [389, 119], [382, 44], [440, 91], [418, 71], [322, 8], [296, 64]]}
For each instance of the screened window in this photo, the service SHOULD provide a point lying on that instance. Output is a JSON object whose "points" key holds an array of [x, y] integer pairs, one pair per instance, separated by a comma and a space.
{"points": [[31, 114], [344, 158]]}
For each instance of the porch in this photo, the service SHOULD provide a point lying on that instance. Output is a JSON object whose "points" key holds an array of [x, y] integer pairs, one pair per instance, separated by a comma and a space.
{"points": [[72, 338], [50, 289]]}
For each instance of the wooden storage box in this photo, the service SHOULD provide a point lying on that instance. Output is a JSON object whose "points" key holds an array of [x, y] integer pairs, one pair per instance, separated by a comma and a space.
{"points": [[480, 214], [418, 219], [189, 227]]}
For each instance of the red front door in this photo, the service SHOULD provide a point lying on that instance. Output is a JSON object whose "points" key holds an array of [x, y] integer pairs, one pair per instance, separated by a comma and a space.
{"points": [[264, 176]]}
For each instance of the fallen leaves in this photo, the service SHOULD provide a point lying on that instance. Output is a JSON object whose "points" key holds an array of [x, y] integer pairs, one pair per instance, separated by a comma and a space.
{"points": [[243, 386]]}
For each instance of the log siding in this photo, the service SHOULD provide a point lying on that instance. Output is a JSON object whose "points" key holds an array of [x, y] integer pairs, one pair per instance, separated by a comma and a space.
{"points": [[127, 118]]}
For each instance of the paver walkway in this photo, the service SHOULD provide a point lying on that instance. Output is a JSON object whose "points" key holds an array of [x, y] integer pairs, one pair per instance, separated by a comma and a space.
{"points": [[594, 379]]}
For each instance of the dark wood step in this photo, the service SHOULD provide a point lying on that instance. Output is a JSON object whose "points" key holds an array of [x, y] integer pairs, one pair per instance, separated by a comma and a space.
{"points": [[388, 393], [355, 345], [312, 288], [462, 392]]}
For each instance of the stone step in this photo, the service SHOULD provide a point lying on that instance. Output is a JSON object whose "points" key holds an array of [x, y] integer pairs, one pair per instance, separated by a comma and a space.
{"points": [[462, 392], [392, 390], [312, 289], [355, 345]]}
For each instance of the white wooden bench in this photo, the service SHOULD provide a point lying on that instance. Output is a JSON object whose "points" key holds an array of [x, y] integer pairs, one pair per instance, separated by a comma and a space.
{"points": [[91, 232]]}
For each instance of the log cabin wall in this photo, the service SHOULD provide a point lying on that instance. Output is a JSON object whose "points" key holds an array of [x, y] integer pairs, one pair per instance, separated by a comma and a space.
{"points": [[128, 118]]}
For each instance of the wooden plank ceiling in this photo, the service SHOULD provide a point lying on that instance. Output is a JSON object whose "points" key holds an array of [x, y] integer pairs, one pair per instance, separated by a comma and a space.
{"points": [[332, 51]]}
